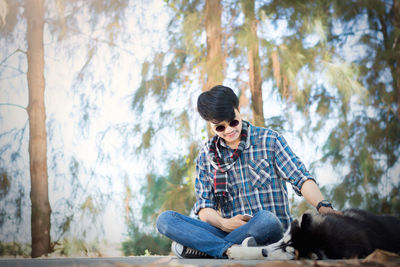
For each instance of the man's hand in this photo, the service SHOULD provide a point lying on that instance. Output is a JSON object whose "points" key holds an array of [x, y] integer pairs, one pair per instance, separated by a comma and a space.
{"points": [[326, 210], [212, 217], [313, 195], [228, 225]]}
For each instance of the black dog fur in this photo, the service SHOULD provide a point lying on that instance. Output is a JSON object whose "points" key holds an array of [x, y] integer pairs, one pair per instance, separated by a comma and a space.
{"points": [[355, 234]]}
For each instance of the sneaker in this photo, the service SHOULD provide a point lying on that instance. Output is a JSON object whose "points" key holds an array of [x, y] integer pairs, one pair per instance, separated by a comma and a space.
{"points": [[185, 252], [249, 242]]}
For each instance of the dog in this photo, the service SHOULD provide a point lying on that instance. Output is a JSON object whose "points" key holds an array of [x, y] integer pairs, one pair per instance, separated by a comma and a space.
{"points": [[353, 234]]}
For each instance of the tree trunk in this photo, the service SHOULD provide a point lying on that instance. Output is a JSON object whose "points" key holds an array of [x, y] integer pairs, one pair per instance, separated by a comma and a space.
{"points": [[253, 58], [396, 46], [215, 58], [40, 217]]}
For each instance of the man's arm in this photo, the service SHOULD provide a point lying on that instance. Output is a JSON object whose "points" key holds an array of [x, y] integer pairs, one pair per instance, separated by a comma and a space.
{"points": [[212, 217], [291, 169], [313, 196]]}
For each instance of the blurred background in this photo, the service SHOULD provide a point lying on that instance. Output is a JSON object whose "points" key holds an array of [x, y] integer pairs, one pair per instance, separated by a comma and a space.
{"points": [[98, 124]]}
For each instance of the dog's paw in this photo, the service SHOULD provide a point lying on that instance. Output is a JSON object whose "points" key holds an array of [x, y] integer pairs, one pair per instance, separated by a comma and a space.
{"points": [[238, 252]]}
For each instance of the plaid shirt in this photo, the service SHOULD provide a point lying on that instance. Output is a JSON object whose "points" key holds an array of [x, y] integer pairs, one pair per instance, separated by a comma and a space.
{"points": [[257, 181]]}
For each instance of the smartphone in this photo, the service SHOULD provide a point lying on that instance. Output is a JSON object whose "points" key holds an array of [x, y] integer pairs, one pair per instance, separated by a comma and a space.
{"points": [[247, 217]]}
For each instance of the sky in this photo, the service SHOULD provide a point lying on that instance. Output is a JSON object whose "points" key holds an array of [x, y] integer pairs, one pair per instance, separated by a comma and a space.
{"points": [[107, 88]]}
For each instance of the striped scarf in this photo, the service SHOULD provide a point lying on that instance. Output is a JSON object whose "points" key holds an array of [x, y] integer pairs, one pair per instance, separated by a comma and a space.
{"points": [[222, 166]]}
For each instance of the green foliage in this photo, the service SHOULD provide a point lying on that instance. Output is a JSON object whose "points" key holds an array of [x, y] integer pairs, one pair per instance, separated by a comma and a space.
{"points": [[277, 123], [298, 207], [172, 192], [4, 184], [168, 75], [15, 249], [140, 243], [146, 138], [192, 32], [155, 187], [359, 97], [315, 67], [183, 124], [11, 17], [95, 24], [72, 247], [157, 78], [244, 36], [90, 206]]}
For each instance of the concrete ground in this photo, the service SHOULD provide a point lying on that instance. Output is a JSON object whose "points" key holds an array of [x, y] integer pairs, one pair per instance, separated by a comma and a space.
{"points": [[378, 258], [122, 262], [173, 261]]}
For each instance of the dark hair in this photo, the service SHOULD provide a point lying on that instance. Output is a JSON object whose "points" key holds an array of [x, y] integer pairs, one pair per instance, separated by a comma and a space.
{"points": [[218, 104]]}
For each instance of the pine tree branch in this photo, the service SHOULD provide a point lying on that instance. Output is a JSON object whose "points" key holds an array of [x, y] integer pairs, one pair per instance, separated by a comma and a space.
{"points": [[349, 33], [108, 42], [14, 105], [10, 55]]}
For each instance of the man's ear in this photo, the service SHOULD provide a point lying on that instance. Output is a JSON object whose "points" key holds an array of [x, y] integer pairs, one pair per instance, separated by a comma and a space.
{"points": [[306, 221], [294, 227]]}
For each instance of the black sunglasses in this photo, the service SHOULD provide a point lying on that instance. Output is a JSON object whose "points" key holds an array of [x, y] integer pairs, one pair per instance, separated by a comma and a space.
{"points": [[221, 128]]}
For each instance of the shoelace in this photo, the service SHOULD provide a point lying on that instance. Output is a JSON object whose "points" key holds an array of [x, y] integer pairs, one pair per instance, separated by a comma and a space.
{"points": [[194, 252]]}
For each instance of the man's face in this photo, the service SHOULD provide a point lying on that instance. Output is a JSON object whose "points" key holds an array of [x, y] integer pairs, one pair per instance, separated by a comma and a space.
{"points": [[231, 131]]}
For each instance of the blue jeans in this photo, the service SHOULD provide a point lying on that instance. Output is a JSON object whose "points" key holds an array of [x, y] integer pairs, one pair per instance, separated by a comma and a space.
{"points": [[265, 227]]}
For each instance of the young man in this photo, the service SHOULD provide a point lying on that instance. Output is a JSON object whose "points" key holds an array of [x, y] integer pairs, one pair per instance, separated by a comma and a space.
{"points": [[242, 170]]}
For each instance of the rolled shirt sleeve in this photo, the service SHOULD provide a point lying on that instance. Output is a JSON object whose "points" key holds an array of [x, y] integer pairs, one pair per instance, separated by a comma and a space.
{"points": [[289, 166], [203, 186]]}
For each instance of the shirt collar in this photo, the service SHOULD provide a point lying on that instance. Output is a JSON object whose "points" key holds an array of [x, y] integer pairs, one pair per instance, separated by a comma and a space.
{"points": [[249, 129]]}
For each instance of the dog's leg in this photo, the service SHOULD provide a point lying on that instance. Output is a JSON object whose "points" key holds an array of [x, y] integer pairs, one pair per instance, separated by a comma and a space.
{"points": [[276, 251], [238, 252]]}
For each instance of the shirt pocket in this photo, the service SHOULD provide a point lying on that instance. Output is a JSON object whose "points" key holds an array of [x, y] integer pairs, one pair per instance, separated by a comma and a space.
{"points": [[260, 173]]}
